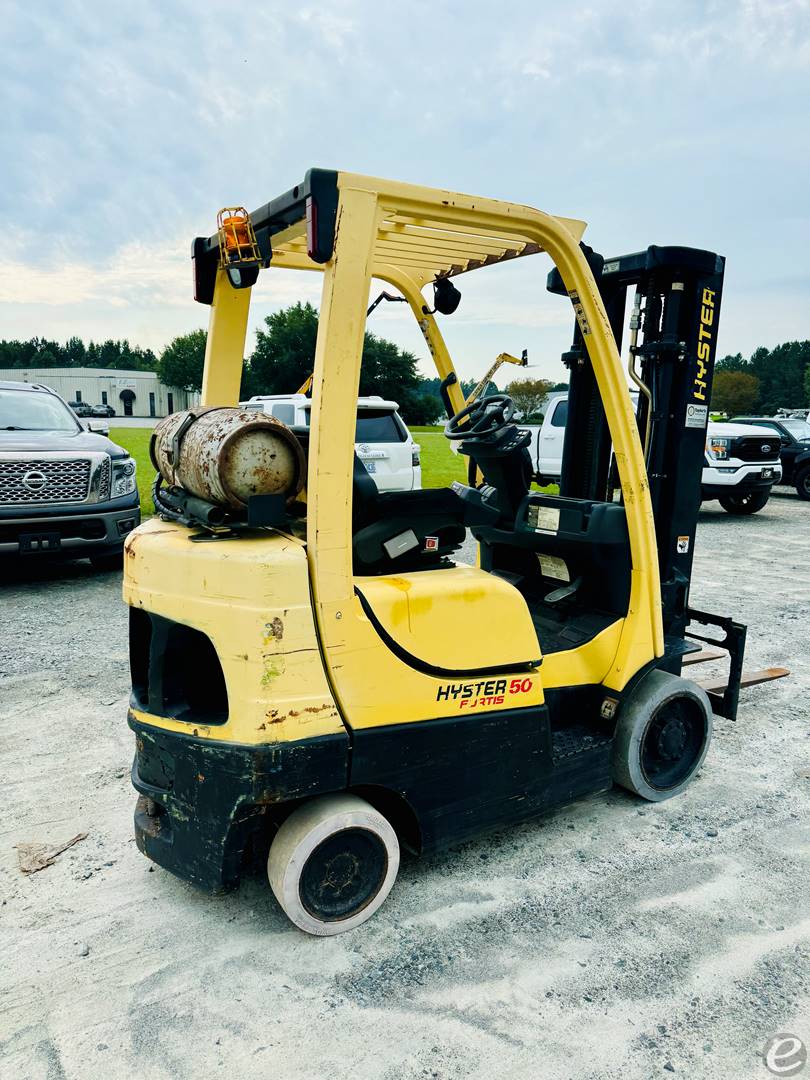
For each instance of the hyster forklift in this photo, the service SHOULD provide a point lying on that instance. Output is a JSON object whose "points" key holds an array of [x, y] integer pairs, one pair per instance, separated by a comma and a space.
{"points": [[314, 678]]}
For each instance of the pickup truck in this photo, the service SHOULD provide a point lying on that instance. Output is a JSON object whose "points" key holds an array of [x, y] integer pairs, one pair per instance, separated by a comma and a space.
{"points": [[794, 437], [741, 464], [64, 490]]}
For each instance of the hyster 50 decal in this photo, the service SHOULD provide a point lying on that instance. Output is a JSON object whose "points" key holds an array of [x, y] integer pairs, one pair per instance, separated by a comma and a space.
{"points": [[471, 695]]}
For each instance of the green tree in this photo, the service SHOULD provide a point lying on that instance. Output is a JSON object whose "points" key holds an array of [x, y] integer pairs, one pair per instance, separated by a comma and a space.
{"points": [[284, 354], [181, 362], [734, 392], [737, 362], [781, 374], [284, 357], [74, 352], [529, 395]]}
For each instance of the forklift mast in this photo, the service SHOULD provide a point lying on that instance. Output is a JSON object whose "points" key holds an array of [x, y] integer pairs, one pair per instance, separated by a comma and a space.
{"points": [[671, 353]]}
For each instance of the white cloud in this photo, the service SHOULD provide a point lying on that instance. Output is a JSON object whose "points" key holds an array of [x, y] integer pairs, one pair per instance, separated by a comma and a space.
{"points": [[125, 128]]}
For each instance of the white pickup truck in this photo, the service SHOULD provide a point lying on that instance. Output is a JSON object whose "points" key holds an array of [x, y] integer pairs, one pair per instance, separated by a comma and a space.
{"points": [[741, 464]]}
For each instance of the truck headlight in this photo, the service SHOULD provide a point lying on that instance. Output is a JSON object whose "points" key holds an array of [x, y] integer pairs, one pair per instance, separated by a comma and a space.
{"points": [[718, 448], [123, 477]]}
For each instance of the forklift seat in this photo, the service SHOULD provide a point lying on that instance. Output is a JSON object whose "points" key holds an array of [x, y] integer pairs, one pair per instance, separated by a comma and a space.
{"points": [[410, 530]]}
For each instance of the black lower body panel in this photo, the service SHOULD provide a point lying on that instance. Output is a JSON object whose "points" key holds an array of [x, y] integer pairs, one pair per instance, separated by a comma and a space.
{"points": [[468, 775], [201, 800]]}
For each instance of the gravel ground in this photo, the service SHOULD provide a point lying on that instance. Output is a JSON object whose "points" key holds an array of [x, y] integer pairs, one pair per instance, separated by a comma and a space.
{"points": [[611, 939]]}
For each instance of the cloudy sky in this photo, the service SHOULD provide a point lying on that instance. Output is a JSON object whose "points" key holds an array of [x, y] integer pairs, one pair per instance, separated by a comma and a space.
{"points": [[124, 128]]}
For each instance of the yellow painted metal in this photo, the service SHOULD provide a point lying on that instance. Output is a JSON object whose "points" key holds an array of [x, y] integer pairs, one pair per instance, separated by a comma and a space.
{"points": [[251, 597], [411, 290], [333, 416], [459, 618], [225, 346], [404, 235], [587, 664]]}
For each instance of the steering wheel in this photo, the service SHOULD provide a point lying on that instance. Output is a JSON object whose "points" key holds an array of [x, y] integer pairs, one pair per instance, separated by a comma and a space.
{"points": [[487, 416]]}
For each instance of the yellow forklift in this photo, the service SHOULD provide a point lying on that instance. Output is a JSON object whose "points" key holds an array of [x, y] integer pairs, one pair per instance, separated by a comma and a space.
{"points": [[314, 679]]}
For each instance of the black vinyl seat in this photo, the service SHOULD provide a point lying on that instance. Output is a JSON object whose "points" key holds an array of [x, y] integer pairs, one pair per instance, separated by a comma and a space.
{"points": [[409, 530]]}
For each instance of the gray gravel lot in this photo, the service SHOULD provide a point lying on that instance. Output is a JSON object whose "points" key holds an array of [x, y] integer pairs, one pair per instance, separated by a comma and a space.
{"points": [[611, 939]]}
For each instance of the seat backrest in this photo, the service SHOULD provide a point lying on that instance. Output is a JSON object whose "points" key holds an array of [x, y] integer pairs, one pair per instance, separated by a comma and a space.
{"points": [[364, 494]]}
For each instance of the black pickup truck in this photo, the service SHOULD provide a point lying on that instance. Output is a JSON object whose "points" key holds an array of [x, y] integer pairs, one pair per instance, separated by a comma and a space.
{"points": [[795, 451], [64, 490]]}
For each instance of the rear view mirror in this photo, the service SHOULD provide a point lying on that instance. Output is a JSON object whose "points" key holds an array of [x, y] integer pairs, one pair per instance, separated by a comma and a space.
{"points": [[98, 427], [446, 296]]}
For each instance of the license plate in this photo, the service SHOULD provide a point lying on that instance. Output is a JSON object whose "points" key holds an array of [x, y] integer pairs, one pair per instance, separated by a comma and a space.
{"points": [[370, 466], [48, 541], [767, 474]]}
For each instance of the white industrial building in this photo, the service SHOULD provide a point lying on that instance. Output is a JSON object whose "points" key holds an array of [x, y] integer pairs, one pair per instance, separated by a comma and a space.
{"points": [[130, 393]]}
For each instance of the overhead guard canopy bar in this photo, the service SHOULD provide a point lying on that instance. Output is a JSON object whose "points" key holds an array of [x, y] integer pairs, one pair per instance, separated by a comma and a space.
{"points": [[297, 231]]}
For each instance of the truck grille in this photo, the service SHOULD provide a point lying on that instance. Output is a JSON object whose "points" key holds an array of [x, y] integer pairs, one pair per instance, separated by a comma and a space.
{"points": [[756, 448], [38, 481]]}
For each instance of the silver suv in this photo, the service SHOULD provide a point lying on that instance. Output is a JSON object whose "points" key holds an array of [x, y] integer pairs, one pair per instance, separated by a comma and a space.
{"points": [[64, 490]]}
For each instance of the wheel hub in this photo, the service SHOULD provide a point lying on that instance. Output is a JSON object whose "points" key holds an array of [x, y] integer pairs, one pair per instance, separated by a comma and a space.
{"points": [[340, 872], [672, 740], [672, 743]]}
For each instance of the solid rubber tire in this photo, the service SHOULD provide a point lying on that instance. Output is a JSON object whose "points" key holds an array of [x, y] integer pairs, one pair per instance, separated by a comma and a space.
{"points": [[655, 690], [301, 833]]}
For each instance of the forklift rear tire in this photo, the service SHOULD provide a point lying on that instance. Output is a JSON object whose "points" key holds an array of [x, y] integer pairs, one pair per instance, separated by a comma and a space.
{"points": [[662, 735], [749, 503], [332, 864]]}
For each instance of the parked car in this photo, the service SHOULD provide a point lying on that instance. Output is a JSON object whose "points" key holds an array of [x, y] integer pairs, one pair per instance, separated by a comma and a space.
{"points": [[794, 437], [741, 466], [102, 410], [81, 408], [382, 441], [64, 490]]}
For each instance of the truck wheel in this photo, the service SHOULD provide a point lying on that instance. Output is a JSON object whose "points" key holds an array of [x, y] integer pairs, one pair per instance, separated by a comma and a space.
{"points": [[744, 504], [662, 735], [332, 864], [802, 482]]}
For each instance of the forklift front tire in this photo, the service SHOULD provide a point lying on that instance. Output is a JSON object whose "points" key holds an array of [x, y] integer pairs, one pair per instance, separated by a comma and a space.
{"points": [[332, 863], [662, 735]]}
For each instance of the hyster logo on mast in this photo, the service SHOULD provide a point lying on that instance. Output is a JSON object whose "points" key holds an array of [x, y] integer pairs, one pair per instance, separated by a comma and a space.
{"points": [[704, 343]]}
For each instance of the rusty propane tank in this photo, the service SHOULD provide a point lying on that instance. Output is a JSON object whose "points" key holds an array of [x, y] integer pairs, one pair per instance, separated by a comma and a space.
{"points": [[225, 455]]}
